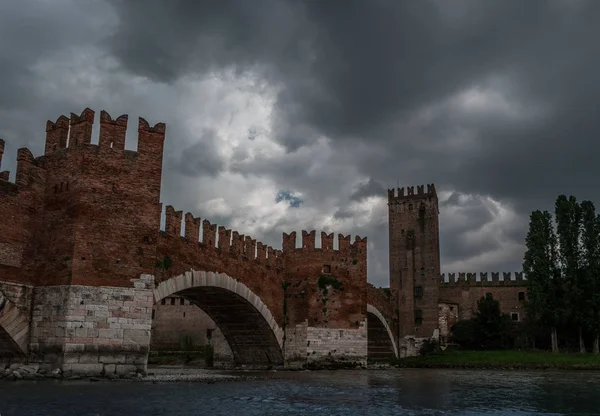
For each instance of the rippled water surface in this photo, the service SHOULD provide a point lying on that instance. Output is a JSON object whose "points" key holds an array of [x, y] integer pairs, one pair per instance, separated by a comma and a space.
{"points": [[348, 393]]}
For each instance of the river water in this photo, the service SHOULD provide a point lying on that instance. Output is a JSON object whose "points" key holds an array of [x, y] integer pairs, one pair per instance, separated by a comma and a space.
{"points": [[348, 393]]}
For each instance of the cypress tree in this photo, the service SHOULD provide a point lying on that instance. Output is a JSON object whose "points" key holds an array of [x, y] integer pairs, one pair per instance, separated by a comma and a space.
{"points": [[540, 264], [568, 227]]}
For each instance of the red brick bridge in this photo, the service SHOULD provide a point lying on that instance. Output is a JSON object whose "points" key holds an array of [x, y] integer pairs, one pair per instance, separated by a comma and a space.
{"points": [[83, 261]]}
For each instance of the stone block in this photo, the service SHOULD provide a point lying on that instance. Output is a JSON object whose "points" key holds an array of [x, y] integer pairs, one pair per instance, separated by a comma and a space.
{"points": [[89, 358], [74, 347], [113, 359], [125, 368], [110, 368], [86, 369]]}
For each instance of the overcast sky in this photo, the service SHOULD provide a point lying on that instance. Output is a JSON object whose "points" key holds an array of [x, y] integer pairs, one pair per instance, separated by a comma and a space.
{"points": [[290, 115]]}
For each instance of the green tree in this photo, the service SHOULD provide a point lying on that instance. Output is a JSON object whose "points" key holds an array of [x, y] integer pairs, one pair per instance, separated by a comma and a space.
{"points": [[546, 302], [590, 239], [465, 334], [568, 228], [492, 325], [489, 328]]}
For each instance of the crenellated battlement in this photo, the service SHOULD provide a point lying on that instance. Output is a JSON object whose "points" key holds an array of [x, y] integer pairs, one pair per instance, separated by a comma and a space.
{"points": [[27, 165], [1, 151], [345, 244], [4, 175], [409, 192], [484, 279], [67, 133], [219, 238]]}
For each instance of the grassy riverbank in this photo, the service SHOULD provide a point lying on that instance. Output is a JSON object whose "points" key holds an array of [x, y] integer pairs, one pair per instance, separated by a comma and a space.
{"points": [[509, 359]]}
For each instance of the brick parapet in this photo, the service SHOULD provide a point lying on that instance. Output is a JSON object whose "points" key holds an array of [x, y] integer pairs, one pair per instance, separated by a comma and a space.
{"points": [[263, 279], [486, 279], [397, 195]]}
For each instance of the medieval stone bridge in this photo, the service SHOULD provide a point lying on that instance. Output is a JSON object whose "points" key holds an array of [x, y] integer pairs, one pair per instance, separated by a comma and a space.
{"points": [[83, 261]]}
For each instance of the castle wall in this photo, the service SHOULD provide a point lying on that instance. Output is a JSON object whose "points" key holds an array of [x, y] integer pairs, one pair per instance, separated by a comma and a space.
{"points": [[175, 318], [21, 204], [333, 291], [458, 297], [335, 280]]}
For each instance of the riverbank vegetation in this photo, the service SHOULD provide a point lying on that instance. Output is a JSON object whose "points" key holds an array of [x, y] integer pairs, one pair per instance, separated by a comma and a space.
{"points": [[562, 266], [502, 359]]}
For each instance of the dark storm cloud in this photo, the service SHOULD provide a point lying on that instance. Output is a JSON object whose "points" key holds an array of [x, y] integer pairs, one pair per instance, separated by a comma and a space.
{"points": [[367, 189], [200, 158], [359, 70], [381, 79]]}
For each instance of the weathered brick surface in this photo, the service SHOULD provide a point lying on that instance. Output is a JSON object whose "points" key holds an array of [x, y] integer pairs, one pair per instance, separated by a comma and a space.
{"points": [[82, 222], [262, 277], [326, 305]]}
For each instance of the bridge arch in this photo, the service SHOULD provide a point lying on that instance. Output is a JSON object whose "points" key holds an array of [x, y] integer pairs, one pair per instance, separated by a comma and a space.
{"points": [[380, 336], [14, 329], [253, 334]]}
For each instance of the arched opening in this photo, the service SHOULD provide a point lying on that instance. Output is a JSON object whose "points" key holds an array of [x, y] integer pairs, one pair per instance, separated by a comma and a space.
{"points": [[8, 346], [245, 321], [380, 340], [14, 329], [179, 326]]}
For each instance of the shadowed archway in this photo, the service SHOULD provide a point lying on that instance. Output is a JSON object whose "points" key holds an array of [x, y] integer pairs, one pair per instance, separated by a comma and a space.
{"points": [[250, 329], [381, 345], [14, 329]]}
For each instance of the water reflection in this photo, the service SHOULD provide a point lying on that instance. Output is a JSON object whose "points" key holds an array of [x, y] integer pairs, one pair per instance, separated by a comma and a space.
{"points": [[399, 392]]}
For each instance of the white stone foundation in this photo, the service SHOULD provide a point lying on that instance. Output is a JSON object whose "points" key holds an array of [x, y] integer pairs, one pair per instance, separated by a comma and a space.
{"points": [[93, 330], [295, 345], [337, 346]]}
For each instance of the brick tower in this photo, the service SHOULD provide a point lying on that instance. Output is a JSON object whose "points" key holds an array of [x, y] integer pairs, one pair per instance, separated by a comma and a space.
{"points": [[415, 259]]}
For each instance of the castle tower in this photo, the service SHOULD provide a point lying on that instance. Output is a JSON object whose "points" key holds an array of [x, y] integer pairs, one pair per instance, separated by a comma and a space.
{"points": [[102, 208], [415, 259]]}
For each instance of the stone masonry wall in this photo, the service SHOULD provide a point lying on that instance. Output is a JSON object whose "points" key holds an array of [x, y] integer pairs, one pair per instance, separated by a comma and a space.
{"points": [[447, 317], [337, 345], [295, 348], [93, 330]]}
